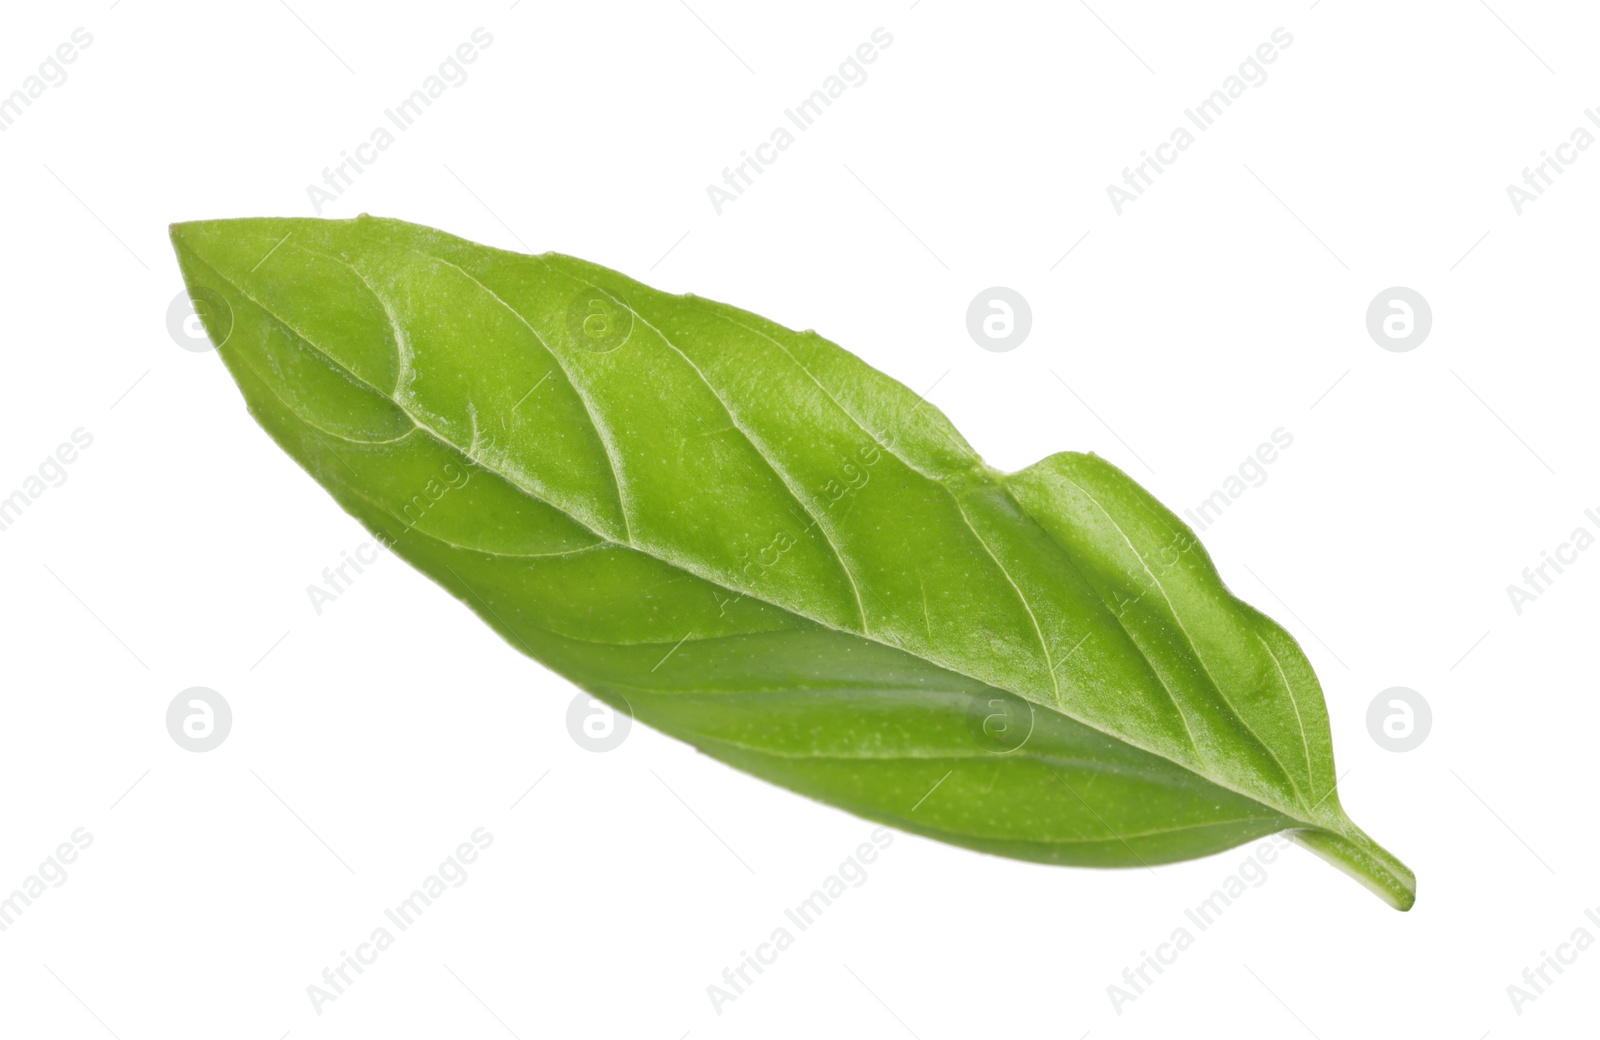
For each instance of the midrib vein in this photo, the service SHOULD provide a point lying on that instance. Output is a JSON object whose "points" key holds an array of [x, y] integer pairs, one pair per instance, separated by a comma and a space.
{"points": [[690, 568]]}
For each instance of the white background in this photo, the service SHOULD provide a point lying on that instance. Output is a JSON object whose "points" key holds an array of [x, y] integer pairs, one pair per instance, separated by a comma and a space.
{"points": [[1230, 300]]}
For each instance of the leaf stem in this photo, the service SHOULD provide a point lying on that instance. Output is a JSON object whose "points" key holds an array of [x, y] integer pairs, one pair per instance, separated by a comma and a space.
{"points": [[1366, 861]]}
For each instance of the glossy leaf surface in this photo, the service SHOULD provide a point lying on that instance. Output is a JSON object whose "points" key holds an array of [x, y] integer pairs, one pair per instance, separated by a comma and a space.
{"points": [[753, 541]]}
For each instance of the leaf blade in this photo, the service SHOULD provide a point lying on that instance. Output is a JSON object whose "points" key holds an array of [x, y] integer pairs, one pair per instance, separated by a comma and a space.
{"points": [[809, 507]]}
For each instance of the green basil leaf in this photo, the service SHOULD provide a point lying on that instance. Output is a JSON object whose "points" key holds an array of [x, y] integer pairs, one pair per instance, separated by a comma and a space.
{"points": [[749, 539]]}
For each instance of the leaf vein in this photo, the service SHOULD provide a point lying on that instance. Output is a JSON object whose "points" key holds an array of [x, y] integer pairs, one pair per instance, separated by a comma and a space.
{"points": [[1193, 647], [766, 456]]}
